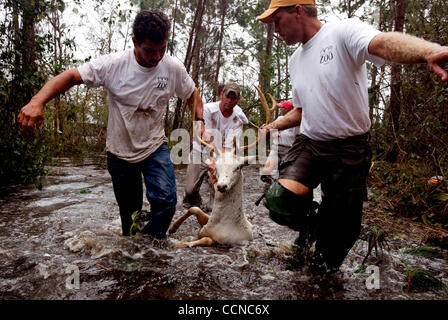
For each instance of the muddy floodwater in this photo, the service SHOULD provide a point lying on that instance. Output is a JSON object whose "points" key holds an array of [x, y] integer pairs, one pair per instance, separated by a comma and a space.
{"points": [[63, 241]]}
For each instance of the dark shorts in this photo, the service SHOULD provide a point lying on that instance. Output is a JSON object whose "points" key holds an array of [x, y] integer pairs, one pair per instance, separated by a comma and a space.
{"points": [[309, 161], [282, 151]]}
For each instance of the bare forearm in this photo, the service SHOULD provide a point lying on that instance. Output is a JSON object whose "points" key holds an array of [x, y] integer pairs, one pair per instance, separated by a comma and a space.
{"points": [[57, 85], [292, 119], [197, 109], [402, 48], [196, 106], [33, 113]]}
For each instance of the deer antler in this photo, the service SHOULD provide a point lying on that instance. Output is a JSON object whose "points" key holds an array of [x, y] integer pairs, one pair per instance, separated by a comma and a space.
{"points": [[235, 146], [268, 112], [274, 104]]}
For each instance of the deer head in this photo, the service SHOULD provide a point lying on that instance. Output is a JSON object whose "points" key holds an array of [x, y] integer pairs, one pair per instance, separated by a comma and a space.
{"points": [[228, 167]]}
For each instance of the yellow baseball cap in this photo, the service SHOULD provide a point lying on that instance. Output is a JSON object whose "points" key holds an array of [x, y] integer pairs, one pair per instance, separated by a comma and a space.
{"points": [[266, 16]]}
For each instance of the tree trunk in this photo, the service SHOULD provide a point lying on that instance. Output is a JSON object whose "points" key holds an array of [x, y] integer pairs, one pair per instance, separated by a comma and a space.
{"points": [[395, 92], [224, 6], [15, 84], [29, 47], [265, 77], [173, 34], [58, 62], [192, 53]]}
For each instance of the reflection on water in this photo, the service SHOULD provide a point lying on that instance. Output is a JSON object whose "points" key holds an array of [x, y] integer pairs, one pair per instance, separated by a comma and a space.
{"points": [[71, 228]]}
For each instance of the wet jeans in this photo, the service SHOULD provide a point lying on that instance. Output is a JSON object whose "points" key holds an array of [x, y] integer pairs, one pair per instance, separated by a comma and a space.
{"points": [[158, 174]]}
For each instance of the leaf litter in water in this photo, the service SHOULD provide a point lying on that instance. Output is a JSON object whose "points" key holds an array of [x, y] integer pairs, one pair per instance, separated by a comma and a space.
{"points": [[426, 252]]}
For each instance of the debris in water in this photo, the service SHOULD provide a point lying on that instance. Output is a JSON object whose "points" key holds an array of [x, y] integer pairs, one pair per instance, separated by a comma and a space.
{"points": [[435, 181], [426, 252]]}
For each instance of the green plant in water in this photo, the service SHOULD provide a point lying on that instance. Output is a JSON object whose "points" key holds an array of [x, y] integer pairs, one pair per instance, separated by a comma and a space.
{"points": [[250, 254], [442, 196], [138, 220], [419, 280], [375, 238]]}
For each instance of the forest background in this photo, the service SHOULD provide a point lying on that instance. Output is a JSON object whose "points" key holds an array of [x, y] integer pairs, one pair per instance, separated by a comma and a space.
{"points": [[221, 41]]}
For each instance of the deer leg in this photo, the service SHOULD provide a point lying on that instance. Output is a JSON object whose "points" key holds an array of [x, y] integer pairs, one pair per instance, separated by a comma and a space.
{"points": [[204, 242], [200, 215]]}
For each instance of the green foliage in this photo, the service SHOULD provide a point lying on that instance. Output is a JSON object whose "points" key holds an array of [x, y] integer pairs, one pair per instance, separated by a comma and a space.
{"points": [[404, 186], [375, 238], [421, 280], [441, 196], [421, 137], [22, 160]]}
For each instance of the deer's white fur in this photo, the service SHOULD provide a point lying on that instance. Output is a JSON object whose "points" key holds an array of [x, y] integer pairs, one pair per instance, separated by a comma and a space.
{"points": [[227, 223]]}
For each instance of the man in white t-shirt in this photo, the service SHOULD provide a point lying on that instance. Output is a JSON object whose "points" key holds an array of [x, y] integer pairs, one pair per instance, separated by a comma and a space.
{"points": [[329, 83], [140, 81], [224, 120]]}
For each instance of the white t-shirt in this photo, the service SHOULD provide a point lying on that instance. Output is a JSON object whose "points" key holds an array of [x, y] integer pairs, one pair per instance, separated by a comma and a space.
{"points": [[329, 80], [137, 99], [221, 128], [286, 137]]}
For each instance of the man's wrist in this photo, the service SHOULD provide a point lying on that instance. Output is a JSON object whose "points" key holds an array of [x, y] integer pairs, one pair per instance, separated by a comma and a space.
{"points": [[199, 119]]}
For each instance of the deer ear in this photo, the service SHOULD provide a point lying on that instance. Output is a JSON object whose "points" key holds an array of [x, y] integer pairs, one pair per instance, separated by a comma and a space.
{"points": [[244, 161]]}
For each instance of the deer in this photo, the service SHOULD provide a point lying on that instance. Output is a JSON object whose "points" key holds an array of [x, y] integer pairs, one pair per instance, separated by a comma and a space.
{"points": [[227, 224]]}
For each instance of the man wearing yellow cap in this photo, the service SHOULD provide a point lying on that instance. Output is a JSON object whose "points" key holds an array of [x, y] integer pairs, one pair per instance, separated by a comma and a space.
{"points": [[329, 82]]}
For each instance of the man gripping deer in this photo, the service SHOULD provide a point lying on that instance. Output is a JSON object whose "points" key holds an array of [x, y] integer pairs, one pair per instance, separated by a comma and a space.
{"points": [[224, 120], [329, 82], [227, 223]]}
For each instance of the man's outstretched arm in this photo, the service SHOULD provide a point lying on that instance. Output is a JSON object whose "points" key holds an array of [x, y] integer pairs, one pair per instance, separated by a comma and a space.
{"points": [[402, 48], [33, 113]]}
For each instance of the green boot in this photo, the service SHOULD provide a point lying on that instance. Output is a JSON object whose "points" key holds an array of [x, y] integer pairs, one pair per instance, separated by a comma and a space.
{"points": [[285, 207]]}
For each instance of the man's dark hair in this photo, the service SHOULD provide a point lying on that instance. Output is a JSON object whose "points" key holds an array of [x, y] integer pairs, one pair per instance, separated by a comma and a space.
{"points": [[151, 24]]}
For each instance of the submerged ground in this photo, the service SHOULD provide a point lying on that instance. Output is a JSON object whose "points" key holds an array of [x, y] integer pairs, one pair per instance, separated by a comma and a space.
{"points": [[71, 228]]}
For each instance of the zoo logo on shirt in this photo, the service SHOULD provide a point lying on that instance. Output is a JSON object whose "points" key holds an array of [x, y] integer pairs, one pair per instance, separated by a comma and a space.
{"points": [[162, 83], [326, 55]]}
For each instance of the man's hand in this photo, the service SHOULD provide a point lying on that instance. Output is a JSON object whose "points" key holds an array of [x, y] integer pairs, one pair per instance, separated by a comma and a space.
{"points": [[434, 60], [265, 129], [30, 115], [206, 136]]}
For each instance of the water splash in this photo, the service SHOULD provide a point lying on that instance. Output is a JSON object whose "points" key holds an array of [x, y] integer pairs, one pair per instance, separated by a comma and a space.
{"points": [[73, 224]]}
